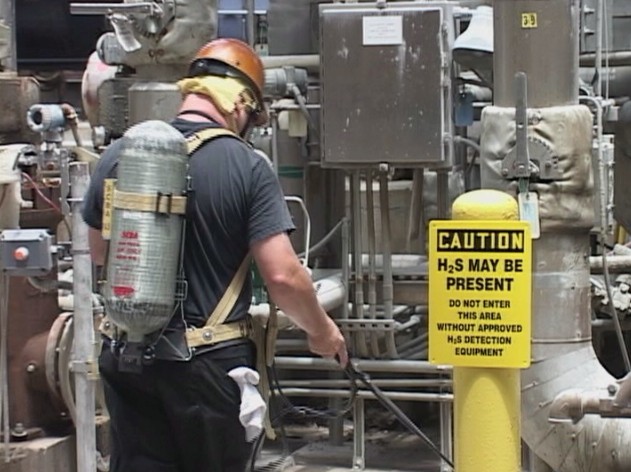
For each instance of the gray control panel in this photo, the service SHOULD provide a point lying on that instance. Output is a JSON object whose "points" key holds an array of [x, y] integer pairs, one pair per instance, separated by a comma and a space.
{"points": [[26, 252]]}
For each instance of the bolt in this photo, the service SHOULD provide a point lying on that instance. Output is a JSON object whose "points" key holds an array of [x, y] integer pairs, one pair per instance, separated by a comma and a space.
{"points": [[18, 433], [612, 389], [31, 368], [505, 172], [207, 335]]}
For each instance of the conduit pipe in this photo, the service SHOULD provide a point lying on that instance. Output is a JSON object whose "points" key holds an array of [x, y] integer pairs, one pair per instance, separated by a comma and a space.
{"points": [[387, 286], [359, 345], [372, 269], [305, 61], [84, 342]]}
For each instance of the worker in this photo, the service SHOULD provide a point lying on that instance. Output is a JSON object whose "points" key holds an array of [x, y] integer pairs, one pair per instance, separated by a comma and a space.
{"points": [[184, 416]]}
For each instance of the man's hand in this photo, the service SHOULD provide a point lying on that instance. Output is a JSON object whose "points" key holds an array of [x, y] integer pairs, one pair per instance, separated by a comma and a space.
{"points": [[329, 343]]}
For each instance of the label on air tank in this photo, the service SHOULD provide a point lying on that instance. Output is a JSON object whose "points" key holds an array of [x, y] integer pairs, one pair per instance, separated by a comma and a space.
{"points": [[108, 201], [479, 293]]}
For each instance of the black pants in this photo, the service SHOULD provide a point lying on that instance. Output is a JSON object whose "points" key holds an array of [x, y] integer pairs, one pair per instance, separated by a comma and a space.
{"points": [[175, 416]]}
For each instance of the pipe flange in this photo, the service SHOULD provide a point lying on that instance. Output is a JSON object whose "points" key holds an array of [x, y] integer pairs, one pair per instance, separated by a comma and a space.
{"points": [[51, 355]]}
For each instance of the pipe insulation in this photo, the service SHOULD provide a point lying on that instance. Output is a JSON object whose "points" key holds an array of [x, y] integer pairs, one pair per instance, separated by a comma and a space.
{"points": [[563, 359]]}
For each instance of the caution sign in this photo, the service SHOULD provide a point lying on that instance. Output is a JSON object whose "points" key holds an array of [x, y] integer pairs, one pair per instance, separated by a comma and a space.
{"points": [[480, 281]]}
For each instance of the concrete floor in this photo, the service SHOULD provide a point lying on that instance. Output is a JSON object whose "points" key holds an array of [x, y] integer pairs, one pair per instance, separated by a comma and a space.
{"points": [[392, 451]]}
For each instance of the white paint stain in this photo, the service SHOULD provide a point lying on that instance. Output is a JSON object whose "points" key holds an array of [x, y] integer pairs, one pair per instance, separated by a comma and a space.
{"points": [[343, 52]]}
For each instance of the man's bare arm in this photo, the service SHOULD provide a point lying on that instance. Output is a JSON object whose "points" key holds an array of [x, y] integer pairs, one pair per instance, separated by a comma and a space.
{"points": [[291, 288]]}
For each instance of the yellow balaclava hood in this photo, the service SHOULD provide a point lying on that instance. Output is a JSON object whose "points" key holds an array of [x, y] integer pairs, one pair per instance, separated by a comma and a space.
{"points": [[223, 91]]}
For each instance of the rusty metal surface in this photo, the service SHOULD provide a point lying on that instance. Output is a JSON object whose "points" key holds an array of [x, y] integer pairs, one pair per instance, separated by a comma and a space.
{"points": [[31, 314], [17, 94]]}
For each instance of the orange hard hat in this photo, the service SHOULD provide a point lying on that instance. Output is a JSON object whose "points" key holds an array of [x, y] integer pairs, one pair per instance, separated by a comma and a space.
{"points": [[230, 57]]}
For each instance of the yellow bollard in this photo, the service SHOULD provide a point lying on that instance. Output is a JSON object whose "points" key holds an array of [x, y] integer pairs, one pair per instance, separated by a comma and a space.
{"points": [[486, 400]]}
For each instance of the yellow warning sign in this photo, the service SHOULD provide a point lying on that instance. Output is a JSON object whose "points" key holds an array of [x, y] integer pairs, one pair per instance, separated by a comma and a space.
{"points": [[108, 200], [480, 280]]}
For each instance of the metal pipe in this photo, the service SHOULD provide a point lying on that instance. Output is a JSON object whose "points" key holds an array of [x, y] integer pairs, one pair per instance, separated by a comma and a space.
{"points": [[345, 262], [442, 194], [386, 383], [361, 347], [4, 363], [84, 361], [609, 324], [250, 21], [615, 264], [365, 365], [239, 12], [415, 218], [398, 261], [274, 123], [73, 122], [359, 443], [325, 239], [306, 61], [413, 343], [387, 285], [599, 49], [446, 435], [615, 58], [400, 396], [372, 271]]}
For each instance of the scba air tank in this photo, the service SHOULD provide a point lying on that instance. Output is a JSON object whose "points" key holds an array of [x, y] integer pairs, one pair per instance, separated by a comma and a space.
{"points": [[145, 245]]}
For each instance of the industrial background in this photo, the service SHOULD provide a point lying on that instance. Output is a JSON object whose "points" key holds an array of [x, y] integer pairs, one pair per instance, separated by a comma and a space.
{"points": [[382, 114]]}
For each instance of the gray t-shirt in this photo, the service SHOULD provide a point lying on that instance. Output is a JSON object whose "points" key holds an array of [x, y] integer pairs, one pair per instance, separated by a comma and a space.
{"points": [[236, 200]]}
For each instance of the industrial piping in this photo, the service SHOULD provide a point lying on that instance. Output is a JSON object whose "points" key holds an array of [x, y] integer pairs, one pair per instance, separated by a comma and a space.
{"points": [[563, 356]]}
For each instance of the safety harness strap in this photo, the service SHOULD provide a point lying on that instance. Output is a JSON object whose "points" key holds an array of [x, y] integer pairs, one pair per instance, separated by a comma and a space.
{"points": [[160, 203], [214, 325], [195, 140], [207, 335]]}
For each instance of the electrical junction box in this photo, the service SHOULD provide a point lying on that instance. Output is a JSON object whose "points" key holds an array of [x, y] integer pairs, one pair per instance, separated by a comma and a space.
{"points": [[385, 73], [26, 252]]}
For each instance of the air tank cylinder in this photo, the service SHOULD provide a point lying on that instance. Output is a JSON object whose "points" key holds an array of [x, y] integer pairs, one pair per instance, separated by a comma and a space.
{"points": [[145, 246]]}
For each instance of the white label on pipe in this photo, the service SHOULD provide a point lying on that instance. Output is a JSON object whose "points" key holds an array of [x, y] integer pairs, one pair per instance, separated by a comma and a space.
{"points": [[382, 30]]}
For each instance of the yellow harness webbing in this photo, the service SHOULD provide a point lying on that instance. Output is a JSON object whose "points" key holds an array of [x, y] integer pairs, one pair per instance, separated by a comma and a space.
{"points": [[166, 204], [214, 330]]}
